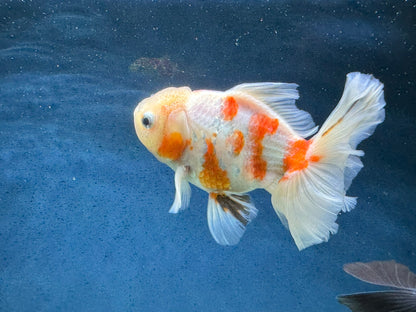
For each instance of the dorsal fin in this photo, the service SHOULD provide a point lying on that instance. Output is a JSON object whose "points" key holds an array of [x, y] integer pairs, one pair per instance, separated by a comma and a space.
{"points": [[281, 98]]}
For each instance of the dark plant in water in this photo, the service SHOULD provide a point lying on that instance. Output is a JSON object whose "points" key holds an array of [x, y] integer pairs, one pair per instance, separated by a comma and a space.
{"points": [[383, 273]]}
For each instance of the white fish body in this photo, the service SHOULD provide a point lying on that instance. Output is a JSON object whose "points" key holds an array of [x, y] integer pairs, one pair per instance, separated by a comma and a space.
{"points": [[253, 136]]}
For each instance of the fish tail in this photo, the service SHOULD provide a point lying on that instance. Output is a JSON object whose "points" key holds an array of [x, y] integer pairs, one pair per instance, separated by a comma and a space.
{"points": [[319, 171]]}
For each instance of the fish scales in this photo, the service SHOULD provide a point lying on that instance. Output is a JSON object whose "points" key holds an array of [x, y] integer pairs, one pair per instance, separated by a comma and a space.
{"points": [[253, 136]]}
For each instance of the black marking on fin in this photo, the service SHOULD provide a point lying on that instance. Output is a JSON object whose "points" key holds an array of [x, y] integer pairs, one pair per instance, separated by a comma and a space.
{"points": [[236, 209], [382, 301], [244, 198]]}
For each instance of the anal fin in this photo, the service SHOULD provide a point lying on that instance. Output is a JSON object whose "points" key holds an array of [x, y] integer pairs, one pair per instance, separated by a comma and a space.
{"points": [[228, 216]]}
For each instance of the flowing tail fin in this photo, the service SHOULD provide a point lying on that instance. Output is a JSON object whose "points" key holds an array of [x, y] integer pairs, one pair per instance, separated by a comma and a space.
{"points": [[319, 171]]}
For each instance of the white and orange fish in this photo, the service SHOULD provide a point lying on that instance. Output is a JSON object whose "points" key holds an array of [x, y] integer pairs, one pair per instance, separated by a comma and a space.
{"points": [[253, 136]]}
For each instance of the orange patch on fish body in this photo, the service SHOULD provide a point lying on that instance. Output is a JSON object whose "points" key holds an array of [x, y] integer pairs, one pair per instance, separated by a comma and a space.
{"points": [[236, 140], [212, 176], [260, 125], [230, 108], [295, 157], [172, 146]]}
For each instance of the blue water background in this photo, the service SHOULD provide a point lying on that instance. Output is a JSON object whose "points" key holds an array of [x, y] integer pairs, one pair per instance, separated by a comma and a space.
{"points": [[84, 222]]}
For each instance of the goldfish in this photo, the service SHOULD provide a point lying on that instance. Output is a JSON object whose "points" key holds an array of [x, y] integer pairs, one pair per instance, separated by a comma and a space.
{"points": [[253, 136]]}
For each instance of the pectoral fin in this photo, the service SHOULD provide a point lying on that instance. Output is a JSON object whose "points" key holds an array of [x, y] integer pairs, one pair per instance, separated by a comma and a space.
{"points": [[183, 190], [228, 216]]}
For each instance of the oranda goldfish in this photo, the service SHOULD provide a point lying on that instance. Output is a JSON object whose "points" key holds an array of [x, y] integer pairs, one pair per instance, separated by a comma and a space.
{"points": [[253, 136]]}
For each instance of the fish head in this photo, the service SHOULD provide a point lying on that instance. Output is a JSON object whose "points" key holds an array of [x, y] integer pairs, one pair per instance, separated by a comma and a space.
{"points": [[160, 122]]}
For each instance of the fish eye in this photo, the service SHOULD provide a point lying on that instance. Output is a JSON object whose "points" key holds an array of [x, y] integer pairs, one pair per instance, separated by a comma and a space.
{"points": [[147, 120]]}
